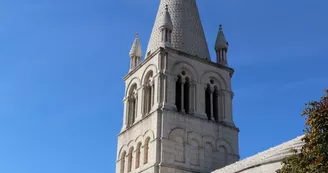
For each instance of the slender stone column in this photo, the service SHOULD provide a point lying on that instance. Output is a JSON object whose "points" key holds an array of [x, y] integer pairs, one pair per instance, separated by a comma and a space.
{"points": [[126, 105], [192, 100], [136, 108], [211, 102], [182, 95], [143, 105], [152, 88]]}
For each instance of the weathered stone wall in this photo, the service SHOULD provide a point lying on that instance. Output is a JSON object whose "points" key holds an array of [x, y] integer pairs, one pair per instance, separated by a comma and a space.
{"points": [[193, 144], [140, 133]]}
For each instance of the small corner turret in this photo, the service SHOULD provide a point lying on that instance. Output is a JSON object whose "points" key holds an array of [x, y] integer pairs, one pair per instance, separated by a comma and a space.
{"points": [[135, 53], [221, 48], [166, 28]]}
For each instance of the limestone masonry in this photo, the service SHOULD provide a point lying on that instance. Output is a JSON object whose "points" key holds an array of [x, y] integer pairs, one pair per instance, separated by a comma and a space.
{"points": [[178, 103]]}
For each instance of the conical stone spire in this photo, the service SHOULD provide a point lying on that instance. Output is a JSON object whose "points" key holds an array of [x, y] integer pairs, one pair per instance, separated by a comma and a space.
{"points": [[136, 48], [221, 41], [167, 21], [188, 34], [135, 53], [221, 48]]}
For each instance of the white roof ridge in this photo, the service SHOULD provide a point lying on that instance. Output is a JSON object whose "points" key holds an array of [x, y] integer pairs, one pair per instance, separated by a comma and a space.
{"points": [[273, 154]]}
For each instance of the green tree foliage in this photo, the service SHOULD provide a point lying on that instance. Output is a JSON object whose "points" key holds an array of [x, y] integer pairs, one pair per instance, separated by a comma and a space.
{"points": [[313, 157]]}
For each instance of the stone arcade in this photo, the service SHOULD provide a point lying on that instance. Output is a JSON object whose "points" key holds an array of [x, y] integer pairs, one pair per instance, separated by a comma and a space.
{"points": [[178, 103]]}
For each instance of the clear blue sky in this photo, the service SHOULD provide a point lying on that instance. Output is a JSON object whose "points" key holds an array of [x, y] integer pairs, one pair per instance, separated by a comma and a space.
{"points": [[62, 64]]}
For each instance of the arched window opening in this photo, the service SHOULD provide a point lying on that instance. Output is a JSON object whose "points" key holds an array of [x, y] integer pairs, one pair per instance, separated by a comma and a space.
{"points": [[132, 105], [138, 155], [133, 110], [216, 104], [179, 149], [122, 162], [166, 35], [130, 158], [178, 93], [149, 93], [208, 102], [195, 154], [186, 95], [163, 35], [208, 155], [224, 155], [170, 36], [146, 151]]}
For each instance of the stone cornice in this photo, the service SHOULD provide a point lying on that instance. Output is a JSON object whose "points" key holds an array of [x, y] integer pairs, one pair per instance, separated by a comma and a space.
{"points": [[205, 61]]}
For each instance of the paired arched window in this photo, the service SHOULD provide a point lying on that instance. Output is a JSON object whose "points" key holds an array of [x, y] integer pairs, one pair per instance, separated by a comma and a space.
{"points": [[123, 162], [182, 93], [132, 105], [149, 93], [212, 101], [146, 150]]}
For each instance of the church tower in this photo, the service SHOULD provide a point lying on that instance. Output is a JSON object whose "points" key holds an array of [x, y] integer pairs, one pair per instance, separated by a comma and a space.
{"points": [[178, 103]]}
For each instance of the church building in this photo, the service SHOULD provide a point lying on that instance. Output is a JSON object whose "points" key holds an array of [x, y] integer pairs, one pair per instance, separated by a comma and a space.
{"points": [[178, 103]]}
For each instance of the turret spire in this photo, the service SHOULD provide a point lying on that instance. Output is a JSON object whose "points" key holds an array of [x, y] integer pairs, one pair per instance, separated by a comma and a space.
{"points": [[187, 33], [166, 28], [135, 53], [221, 48], [166, 22]]}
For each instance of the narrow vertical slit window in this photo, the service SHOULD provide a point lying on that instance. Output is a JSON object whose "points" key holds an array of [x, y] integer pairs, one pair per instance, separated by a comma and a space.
{"points": [[166, 35], [208, 102], [178, 94], [162, 33], [170, 37]]}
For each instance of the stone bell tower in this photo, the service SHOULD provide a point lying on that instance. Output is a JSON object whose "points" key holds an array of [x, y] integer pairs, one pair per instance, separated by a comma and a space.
{"points": [[178, 103]]}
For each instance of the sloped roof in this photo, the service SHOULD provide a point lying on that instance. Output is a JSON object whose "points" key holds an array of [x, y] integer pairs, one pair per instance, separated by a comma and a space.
{"points": [[275, 154]]}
